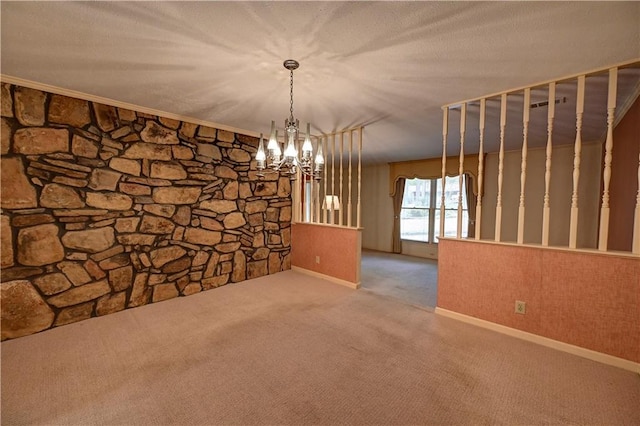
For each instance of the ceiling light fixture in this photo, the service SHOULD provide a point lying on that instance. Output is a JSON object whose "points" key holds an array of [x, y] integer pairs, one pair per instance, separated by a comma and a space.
{"points": [[274, 159]]}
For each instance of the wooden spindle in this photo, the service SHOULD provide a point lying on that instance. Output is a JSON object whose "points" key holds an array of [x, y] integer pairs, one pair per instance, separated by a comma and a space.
{"points": [[350, 177], [546, 209], [316, 193], [312, 199], [312, 196], [318, 204], [445, 130], [483, 106], [636, 220], [299, 190], [573, 224], [463, 127], [296, 199], [333, 177], [312, 191], [503, 124], [325, 151], [608, 156], [523, 163], [341, 198], [358, 213]]}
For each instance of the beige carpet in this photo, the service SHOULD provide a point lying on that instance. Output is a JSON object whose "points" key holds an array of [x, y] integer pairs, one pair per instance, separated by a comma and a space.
{"points": [[289, 349], [411, 279]]}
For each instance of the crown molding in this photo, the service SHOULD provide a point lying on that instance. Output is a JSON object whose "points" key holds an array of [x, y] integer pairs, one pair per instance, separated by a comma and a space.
{"points": [[618, 65], [107, 101]]}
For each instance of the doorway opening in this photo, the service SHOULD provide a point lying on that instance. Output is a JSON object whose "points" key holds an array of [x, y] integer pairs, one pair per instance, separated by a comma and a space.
{"points": [[413, 280]]}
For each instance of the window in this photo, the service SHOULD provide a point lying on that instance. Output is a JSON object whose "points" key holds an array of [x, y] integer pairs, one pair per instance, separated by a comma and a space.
{"points": [[420, 213]]}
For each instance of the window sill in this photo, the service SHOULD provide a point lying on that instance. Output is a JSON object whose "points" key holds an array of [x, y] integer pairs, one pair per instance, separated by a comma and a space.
{"points": [[418, 242]]}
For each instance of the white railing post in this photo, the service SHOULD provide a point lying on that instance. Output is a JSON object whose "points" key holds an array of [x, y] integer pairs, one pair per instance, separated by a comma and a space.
{"points": [[350, 177], [300, 182], [445, 130], [359, 214], [636, 220], [546, 209], [299, 185], [523, 164], [333, 177], [573, 224], [608, 156], [340, 198], [295, 195], [312, 195], [503, 124], [325, 150], [483, 106], [463, 120]]}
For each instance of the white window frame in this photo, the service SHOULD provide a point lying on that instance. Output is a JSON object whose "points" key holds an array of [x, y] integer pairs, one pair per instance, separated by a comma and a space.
{"points": [[433, 209]]}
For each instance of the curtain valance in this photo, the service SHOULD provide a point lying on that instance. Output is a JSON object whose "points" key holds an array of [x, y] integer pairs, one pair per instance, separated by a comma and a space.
{"points": [[431, 168]]}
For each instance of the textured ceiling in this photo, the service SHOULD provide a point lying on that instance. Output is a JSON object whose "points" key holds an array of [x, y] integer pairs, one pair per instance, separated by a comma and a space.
{"points": [[387, 65]]}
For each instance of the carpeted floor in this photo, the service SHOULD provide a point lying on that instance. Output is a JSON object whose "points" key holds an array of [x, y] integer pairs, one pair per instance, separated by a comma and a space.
{"points": [[411, 279], [292, 349]]}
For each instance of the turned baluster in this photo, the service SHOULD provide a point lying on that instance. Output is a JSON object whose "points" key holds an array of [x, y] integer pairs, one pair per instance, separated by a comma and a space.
{"points": [[503, 124], [483, 106], [445, 129], [546, 209], [573, 224], [523, 163], [608, 156]]}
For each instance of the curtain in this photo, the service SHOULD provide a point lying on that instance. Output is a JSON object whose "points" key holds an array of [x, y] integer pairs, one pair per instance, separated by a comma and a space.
{"points": [[432, 169], [397, 207], [471, 205]]}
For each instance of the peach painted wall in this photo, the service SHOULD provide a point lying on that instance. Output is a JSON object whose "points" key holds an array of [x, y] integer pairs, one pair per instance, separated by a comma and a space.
{"points": [[586, 299], [337, 247]]}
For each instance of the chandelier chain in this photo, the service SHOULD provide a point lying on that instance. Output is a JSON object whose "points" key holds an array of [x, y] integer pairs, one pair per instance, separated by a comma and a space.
{"points": [[291, 94]]}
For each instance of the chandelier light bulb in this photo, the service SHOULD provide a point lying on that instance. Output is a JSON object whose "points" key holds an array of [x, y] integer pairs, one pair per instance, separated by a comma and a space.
{"points": [[290, 151], [319, 157], [276, 152], [261, 157], [273, 138], [307, 147]]}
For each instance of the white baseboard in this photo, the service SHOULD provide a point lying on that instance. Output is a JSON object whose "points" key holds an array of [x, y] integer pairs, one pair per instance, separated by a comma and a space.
{"points": [[544, 341], [327, 277]]}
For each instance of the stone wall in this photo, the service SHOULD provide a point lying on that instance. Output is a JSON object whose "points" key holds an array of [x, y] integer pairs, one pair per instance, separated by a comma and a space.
{"points": [[105, 209]]}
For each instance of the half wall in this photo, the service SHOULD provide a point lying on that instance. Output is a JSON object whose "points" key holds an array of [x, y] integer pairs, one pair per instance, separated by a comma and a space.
{"points": [[587, 299], [330, 251]]}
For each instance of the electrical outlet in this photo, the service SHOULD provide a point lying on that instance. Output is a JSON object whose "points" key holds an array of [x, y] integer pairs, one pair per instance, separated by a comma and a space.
{"points": [[318, 260], [520, 307]]}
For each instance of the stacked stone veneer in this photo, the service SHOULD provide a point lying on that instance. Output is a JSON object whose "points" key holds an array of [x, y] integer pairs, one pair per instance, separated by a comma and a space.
{"points": [[105, 208]]}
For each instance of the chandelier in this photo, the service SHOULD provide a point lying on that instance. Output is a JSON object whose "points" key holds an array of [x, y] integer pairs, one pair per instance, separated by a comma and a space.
{"points": [[274, 160]]}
